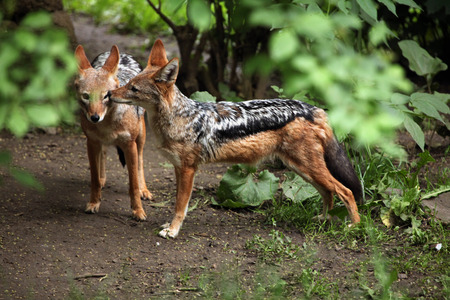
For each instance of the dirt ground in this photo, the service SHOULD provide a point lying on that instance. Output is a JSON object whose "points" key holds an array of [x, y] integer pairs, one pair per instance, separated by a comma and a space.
{"points": [[49, 248]]}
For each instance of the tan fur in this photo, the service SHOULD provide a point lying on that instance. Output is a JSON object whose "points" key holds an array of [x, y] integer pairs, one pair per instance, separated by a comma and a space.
{"points": [[119, 125], [300, 143]]}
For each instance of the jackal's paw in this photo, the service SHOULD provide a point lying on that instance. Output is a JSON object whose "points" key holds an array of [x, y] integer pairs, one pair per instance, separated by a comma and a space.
{"points": [[145, 194], [167, 232], [102, 182], [92, 208], [139, 214]]}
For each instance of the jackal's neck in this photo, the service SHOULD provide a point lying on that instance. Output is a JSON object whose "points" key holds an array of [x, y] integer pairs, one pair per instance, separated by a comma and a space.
{"points": [[181, 105]]}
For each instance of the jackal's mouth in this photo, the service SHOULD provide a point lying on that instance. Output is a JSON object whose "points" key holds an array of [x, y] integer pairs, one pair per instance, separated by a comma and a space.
{"points": [[117, 100], [122, 101]]}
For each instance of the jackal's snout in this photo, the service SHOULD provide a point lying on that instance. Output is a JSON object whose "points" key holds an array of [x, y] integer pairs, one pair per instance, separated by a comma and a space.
{"points": [[95, 118]]}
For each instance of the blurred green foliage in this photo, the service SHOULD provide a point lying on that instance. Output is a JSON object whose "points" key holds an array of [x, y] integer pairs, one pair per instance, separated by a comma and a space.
{"points": [[128, 15], [35, 70], [36, 67]]}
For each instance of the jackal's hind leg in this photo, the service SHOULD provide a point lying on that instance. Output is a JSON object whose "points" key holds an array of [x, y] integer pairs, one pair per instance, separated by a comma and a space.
{"points": [[315, 171]]}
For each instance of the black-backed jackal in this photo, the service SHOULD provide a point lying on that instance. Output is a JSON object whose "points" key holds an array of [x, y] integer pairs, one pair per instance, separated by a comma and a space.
{"points": [[108, 123], [190, 133]]}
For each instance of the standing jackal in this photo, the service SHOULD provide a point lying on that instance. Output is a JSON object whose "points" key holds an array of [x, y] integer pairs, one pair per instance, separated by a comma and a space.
{"points": [[108, 123], [190, 133]]}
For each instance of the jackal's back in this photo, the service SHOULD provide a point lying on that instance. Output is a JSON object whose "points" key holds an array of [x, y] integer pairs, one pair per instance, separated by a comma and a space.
{"points": [[225, 121], [128, 66]]}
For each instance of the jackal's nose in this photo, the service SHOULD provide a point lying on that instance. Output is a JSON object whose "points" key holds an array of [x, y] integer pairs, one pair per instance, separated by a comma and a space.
{"points": [[95, 118]]}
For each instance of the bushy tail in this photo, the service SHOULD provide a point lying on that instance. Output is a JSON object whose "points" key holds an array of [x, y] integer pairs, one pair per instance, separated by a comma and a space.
{"points": [[121, 156], [341, 168]]}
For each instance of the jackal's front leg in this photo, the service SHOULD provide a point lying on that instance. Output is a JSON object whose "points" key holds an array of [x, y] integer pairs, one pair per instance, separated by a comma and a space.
{"points": [[96, 164], [132, 160], [185, 181], [140, 142]]}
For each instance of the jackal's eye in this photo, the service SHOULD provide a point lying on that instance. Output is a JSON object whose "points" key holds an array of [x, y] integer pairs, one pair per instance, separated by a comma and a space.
{"points": [[85, 96], [134, 89]]}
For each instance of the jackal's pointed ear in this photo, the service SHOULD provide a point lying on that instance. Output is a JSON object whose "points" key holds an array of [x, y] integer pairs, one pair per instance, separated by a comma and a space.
{"points": [[168, 73], [112, 63], [157, 57], [83, 62]]}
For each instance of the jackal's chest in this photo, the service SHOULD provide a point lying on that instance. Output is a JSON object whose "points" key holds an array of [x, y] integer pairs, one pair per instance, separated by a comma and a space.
{"points": [[109, 132]]}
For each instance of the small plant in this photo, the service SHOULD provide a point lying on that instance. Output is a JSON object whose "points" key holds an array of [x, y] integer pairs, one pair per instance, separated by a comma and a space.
{"points": [[238, 187], [228, 283], [384, 277], [276, 248], [404, 204], [425, 105], [314, 284]]}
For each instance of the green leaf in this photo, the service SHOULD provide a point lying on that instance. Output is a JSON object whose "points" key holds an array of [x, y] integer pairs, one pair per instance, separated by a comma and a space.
{"points": [[437, 100], [199, 14], [415, 131], [399, 99], [425, 158], [425, 103], [393, 276], [379, 33], [17, 122], [229, 203], [296, 189], [173, 5], [5, 157], [420, 61], [339, 211], [266, 17], [445, 98], [436, 192], [317, 26], [390, 5], [283, 45], [238, 187], [314, 8], [344, 6], [227, 93], [387, 217], [26, 179], [203, 97], [409, 3], [42, 114], [37, 20], [27, 40], [369, 7]]}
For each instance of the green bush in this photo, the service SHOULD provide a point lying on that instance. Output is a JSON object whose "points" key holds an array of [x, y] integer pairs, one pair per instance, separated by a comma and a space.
{"points": [[34, 75]]}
